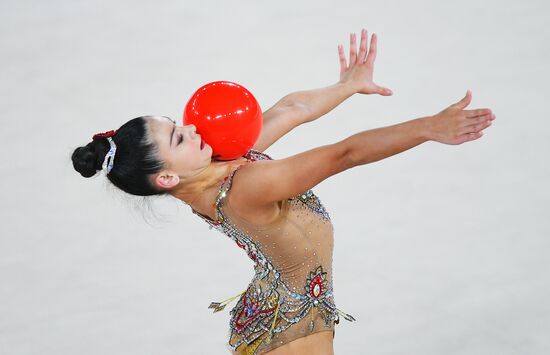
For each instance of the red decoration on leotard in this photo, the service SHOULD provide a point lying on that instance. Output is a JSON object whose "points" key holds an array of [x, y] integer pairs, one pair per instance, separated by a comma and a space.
{"points": [[255, 304], [316, 283], [104, 134], [316, 286]]}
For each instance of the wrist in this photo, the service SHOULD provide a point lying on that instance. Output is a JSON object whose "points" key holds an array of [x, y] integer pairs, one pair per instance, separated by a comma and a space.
{"points": [[347, 87], [426, 127]]}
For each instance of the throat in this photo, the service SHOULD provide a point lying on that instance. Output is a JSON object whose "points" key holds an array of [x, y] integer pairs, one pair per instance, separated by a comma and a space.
{"points": [[205, 204]]}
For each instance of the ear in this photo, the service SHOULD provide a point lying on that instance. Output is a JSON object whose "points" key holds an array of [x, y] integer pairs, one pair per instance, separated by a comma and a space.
{"points": [[167, 180]]}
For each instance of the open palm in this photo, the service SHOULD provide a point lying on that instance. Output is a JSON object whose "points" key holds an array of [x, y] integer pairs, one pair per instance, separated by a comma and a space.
{"points": [[358, 72]]}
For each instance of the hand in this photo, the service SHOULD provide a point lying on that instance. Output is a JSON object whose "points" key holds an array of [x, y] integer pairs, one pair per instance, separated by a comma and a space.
{"points": [[455, 125], [358, 74]]}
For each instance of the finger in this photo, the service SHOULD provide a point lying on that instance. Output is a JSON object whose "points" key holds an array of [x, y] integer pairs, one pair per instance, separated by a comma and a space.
{"points": [[363, 46], [352, 49], [474, 128], [477, 112], [342, 56], [469, 137], [372, 51], [476, 120]]}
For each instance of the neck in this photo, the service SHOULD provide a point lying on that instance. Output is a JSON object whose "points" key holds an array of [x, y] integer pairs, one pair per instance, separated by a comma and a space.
{"points": [[197, 191]]}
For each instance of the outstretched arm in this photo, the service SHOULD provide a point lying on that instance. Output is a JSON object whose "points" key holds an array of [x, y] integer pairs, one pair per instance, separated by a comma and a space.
{"points": [[305, 106], [454, 125], [269, 181]]}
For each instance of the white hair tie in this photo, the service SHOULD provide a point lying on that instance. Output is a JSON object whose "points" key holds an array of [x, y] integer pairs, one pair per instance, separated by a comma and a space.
{"points": [[109, 157]]}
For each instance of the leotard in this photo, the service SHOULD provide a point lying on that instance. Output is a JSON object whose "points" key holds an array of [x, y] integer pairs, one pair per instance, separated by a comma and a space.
{"points": [[290, 295]]}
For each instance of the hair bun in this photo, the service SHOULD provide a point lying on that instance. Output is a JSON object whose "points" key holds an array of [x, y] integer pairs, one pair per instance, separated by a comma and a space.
{"points": [[88, 160]]}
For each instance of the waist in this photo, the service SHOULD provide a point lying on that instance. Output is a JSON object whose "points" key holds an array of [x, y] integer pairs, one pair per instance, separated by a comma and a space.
{"points": [[320, 343], [315, 287]]}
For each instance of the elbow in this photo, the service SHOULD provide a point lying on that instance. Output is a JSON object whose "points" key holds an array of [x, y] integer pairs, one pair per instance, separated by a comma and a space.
{"points": [[346, 156], [302, 112], [299, 111]]}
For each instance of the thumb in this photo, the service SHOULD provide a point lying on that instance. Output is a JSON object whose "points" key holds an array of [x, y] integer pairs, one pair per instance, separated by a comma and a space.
{"points": [[384, 91], [465, 100]]}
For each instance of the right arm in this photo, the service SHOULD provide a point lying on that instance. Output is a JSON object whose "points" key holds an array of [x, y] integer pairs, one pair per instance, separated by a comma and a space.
{"points": [[305, 106], [268, 181]]}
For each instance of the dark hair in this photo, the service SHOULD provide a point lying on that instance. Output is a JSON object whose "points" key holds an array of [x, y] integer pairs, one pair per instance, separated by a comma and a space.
{"points": [[135, 160]]}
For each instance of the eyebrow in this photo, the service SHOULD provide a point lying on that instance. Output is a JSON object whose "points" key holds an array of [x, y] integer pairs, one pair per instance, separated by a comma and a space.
{"points": [[173, 128], [172, 134]]}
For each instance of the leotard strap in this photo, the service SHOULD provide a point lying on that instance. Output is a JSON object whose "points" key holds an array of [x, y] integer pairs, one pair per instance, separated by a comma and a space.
{"points": [[252, 155]]}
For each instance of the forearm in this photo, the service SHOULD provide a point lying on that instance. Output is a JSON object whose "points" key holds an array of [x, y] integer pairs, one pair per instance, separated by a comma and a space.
{"points": [[318, 102], [379, 143]]}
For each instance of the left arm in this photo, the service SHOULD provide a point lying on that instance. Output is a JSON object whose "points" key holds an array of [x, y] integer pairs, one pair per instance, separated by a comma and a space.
{"points": [[305, 106], [297, 108]]}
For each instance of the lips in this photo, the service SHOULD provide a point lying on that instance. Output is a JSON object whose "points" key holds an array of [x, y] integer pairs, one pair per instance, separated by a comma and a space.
{"points": [[202, 143]]}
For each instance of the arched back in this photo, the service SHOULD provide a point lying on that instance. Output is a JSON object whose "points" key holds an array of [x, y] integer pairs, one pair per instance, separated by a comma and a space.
{"points": [[290, 295]]}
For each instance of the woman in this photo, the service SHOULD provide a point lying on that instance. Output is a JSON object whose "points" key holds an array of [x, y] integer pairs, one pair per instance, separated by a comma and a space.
{"points": [[266, 206]]}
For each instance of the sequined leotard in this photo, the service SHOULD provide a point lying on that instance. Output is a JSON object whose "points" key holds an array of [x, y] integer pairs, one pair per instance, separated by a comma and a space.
{"points": [[290, 295]]}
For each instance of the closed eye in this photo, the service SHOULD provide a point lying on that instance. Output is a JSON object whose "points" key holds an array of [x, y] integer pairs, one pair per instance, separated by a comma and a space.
{"points": [[180, 139]]}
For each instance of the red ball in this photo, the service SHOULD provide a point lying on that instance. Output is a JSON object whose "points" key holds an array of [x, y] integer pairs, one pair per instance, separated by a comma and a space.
{"points": [[227, 116]]}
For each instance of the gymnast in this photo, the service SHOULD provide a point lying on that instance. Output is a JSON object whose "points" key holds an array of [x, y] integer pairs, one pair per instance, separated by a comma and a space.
{"points": [[267, 206]]}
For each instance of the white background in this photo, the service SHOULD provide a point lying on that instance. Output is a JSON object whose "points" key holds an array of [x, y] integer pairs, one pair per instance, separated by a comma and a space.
{"points": [[439, 250]]}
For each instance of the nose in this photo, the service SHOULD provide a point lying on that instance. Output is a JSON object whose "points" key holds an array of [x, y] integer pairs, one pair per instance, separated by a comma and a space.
{"points": [[193, 129]]}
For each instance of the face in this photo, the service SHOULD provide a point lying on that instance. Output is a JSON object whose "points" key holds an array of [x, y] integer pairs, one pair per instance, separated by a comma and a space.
{"points": [[179, 147]]}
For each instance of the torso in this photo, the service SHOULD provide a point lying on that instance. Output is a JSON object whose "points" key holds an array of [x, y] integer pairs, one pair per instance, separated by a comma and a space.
{"points": [[274, 237]]}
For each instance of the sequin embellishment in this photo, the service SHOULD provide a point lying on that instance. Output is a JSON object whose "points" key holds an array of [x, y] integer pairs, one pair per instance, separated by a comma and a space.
{"points": [[309, 199], [268, 305]]}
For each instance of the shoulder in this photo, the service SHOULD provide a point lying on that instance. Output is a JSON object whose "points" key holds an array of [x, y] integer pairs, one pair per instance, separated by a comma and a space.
{"points": [[245, 203], [275, 180]]}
